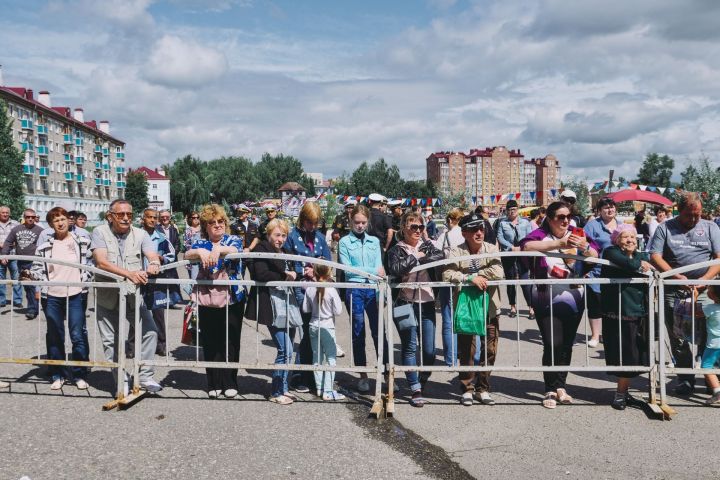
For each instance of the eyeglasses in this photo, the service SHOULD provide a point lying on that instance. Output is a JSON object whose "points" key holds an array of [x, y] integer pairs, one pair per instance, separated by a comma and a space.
{"points": [[417, 227], [216, 222], [122, 214], [563, 218], [165, 218], [29, 216], [568, 200], [194, 218]]}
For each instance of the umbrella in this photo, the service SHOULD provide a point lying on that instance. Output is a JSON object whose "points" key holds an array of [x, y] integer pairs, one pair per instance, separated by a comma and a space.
{"points": [[631, 195]]}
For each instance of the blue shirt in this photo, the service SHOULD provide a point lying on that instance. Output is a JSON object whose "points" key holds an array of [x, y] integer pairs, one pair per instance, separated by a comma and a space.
{"points": [[163, 247], [295, 245], [509, 234], [597, 231], [362, 254], [232, 267]]}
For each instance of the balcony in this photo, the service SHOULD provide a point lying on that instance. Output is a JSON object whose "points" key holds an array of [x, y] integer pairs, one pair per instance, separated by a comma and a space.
{"points": [[28, 169], [120, 155], [42, 150], [67, 139], [106, 152], [79, 178], [44, 171], [79, 160], [68, 157], [119, 169], [27, 124], [107, 183], [79, 142], [69, 176], [106, 166], [98, 165], [98, 181], [42, 130], [27, 147], [98, 149], [121, 184]]}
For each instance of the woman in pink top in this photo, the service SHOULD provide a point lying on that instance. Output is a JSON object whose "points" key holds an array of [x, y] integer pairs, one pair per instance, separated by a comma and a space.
{"points": [[57, 300]]}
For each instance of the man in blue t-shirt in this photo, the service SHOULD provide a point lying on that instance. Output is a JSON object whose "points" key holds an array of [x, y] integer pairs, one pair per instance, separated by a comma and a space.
{"points": [[685, 240]]}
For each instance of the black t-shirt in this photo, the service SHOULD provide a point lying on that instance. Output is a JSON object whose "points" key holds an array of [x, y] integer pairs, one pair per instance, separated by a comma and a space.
{"points": [[379, 225]]}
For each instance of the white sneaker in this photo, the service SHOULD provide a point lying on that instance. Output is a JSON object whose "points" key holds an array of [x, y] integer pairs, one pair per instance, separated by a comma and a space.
{"points": [[150, 385], [4, 384], [214, 393], [593, 343], [484, 398], [363, 385], [81, 384], [339, 352], [231, 393], [713, 401], [333, 396], [57, 384]]}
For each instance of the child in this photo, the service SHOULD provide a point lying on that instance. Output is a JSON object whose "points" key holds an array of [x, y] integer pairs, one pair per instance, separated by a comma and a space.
{"points": [[324, 303], [711, 355]]}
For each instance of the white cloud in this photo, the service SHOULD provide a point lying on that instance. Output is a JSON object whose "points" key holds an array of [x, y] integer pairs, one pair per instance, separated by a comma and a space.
{"points": [[177, 62]]}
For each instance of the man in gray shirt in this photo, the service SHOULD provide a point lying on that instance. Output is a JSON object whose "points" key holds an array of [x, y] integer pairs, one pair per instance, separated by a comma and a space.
{"points": [[678, 242], [6, 225], [119, 248], [23, 239]]}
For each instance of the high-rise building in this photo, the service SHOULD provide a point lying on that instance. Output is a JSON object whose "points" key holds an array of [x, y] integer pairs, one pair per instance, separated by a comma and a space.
{"points": [[69, 162], [493, 171]]}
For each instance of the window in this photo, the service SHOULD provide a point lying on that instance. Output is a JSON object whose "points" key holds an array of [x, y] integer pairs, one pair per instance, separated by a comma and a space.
{"points": [[154, 197], [154, 186]]}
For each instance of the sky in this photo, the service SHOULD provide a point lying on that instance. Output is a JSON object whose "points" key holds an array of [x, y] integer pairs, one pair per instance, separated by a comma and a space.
{"points": [[599, 84]]}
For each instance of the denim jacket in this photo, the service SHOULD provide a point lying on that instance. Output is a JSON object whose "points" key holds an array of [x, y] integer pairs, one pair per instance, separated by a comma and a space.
{"points": [[295, 245], [507, 231], [362, 254]]}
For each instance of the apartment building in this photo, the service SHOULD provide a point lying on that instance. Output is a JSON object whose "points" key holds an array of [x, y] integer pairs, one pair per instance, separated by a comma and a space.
{"points": [[68, 161], [492, 171], [158, 187]]}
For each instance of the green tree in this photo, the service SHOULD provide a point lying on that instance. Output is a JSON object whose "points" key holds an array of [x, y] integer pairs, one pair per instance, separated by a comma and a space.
{"points": [[188, 183], [380, 177], [136, 191], [232, 180], [700, 176], [11, 166], [274, 170], [656, 170], [579, 186]]}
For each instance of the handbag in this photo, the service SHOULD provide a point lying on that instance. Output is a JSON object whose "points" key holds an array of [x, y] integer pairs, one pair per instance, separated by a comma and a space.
{"points": [[214, 296], [189, 329], [404, 316], [470, 312], [285, 308]]}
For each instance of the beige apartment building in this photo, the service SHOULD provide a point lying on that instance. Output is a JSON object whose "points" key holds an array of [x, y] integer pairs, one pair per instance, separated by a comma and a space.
{"points": [[494, 171], [69, 161]]}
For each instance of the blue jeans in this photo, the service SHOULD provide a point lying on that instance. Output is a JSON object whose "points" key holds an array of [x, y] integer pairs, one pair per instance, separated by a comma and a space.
{"points": [[358, 302], [14, 275], [284, 343], [32, 303], [55, 309], [448, 338], [324, 349], [411, 357]]}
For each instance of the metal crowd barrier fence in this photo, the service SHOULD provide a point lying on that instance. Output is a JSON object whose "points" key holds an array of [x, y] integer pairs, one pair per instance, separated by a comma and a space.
{"points": [[518, 365], [682, 332], [19, 355], [373, 282]]}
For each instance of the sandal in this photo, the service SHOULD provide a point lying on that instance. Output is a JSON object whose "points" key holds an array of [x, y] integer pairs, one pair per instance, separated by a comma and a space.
{"points": [[550, 400], [281, 400], [563, 397], [291, 396], [417, 399]]}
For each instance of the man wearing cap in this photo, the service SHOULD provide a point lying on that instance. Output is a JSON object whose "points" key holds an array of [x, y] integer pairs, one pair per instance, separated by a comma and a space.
{"points": [[341, 224], [244, 228], [396, 212], [569, 197], [511, 229], [380, 224], [270, 214], [476, 273]]}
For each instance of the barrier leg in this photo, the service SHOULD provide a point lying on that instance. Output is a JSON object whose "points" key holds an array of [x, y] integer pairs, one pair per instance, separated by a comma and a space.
{"points": [[390, 398], [136, 394], [378, 407]]}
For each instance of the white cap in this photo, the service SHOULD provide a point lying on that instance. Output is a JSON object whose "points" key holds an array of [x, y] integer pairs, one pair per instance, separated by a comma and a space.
{"points": [[376, 197], [568, 194], [351, 202], [395, 203]]}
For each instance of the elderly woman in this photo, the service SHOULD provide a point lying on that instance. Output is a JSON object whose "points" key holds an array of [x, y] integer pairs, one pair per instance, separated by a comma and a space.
{"points": [[625, 314], [191, 235], [450, 238], [259, 306], [559, 329], [58, 300], [599, 230], [407, 254], [306, 240], [214, 302]]}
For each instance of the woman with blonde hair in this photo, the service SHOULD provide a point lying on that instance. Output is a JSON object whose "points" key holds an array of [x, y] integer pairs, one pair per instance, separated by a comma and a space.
{"points": [[308, 241]]}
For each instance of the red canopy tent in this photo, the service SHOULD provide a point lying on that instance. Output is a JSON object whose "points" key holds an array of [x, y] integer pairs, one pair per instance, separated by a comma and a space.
{"points": [[631, 195]]}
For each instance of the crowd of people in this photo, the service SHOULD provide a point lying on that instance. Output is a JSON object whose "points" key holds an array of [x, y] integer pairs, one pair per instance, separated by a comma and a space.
{"points": [[381, 240]]}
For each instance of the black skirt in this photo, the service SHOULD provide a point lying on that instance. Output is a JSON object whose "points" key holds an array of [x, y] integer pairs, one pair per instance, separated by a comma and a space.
{"points": [[634, 343]]}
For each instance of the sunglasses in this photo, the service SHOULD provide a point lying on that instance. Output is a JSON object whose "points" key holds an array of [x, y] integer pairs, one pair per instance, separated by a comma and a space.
{"points": [[417, 227], [563, 218], [122, 214], [194, 218], [568, 200], [216, 222], [29, 216]]}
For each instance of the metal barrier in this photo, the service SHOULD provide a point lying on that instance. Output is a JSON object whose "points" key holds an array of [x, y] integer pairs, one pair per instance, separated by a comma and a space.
{"points": [[519, 365], [673, 341], [374, 282], [114, 282]]}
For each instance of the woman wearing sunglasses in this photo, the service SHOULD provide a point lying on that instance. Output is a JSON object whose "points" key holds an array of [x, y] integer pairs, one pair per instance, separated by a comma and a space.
{"points": [[407, 254], [559, 329]]}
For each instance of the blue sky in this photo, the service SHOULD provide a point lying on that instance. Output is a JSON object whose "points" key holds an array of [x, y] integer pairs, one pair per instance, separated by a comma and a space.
{"points": [[597, 83]]}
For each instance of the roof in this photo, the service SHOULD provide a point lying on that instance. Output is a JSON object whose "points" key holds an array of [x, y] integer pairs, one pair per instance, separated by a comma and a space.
{"points": [[24, 95], [150, 174], [291, 186]]}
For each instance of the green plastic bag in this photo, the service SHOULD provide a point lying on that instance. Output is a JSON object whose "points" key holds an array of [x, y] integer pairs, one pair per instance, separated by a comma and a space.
{"points": [[470, 311]]}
